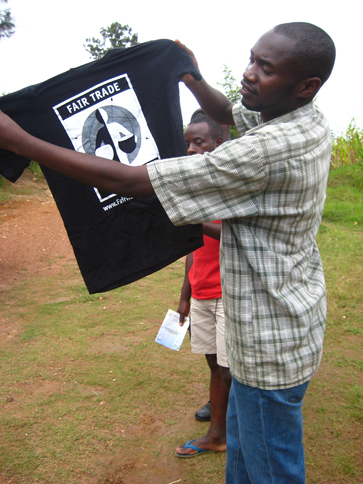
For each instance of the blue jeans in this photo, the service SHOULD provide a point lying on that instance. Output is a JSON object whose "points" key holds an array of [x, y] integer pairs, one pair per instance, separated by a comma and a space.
{"points": [[264, 435]]}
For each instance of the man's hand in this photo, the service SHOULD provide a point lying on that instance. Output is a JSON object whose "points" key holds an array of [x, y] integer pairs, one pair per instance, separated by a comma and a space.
{"points": [[186, 291], [188, 78], [189, 52], [214, 103], [183, 310]]}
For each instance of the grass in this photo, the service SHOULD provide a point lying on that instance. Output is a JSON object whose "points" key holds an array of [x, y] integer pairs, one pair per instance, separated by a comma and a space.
{"points": [[88, 397], [333, 408], [344, 205], [84, 372]]}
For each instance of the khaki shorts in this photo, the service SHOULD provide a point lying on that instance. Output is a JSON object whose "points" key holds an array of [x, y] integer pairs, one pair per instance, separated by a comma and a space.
{"points": [[207, 329]]}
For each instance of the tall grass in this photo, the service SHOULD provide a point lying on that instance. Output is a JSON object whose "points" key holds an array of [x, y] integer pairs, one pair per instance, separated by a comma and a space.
{"points": [[348, 147]]}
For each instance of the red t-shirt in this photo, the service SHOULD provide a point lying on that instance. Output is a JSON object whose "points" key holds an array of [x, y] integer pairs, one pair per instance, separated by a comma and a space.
{"points": [[204, 275]]}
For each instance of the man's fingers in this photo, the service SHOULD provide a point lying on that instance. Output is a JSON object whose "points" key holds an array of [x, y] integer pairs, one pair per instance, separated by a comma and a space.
{"points": [[183, 46], [188, 51]]}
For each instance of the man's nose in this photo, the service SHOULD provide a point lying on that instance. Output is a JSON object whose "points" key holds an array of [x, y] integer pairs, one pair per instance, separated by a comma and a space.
{"points": [[250, 73], [191, 150]]}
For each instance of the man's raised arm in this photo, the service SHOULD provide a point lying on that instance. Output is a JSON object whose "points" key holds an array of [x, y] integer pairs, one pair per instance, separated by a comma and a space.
{"points": [[215, 104], [108, 175]]}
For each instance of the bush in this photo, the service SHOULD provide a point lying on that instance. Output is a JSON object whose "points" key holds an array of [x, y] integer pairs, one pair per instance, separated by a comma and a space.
{"points": [[348, 147]]}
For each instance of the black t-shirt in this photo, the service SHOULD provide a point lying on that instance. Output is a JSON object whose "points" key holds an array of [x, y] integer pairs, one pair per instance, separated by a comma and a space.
{"points": [[123, 107]]}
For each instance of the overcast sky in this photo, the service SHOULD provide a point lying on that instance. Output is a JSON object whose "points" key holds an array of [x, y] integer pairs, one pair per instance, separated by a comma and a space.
{"points": [[50, 35]]}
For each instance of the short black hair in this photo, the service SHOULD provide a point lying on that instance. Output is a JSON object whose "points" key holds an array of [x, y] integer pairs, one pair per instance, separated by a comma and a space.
{"points": [[314, 50], [215, 129], [198, 112]]}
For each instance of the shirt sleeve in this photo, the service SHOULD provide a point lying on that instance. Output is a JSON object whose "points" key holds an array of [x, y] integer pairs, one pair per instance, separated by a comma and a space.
{"points": [[220, 185]]}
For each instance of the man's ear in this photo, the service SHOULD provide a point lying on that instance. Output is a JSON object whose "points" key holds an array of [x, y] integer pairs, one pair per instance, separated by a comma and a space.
{"points": [[219, 141], [309, 87]]}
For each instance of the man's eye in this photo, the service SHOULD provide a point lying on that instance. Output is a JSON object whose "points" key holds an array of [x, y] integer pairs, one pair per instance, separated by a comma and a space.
{"points": [[266, 70]]}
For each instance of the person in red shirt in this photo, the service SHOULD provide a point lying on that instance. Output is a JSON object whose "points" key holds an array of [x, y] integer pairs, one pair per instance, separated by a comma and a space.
{"points": [[201, 295]]}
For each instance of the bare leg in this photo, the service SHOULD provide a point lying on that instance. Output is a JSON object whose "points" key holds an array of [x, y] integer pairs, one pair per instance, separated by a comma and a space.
{"points": [[215, 438]]}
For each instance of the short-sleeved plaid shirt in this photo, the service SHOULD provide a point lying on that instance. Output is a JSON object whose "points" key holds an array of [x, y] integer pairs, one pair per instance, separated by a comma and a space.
{"points": [[268, 188]]}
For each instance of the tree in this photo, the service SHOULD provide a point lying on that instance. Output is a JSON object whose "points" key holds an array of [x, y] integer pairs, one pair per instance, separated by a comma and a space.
{"points": [[230, 86], [7, 25], [116, 35], [232, 91]]}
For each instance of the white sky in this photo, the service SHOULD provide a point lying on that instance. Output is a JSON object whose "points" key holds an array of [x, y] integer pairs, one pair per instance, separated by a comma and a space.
{"points": [[50, 35]]}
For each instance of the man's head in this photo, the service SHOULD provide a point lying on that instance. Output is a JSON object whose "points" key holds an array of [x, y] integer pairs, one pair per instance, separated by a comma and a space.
{"points": [[287, 67], [202, 134]]}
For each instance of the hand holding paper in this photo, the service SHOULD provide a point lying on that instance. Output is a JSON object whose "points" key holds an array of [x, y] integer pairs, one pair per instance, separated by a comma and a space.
{"points": [[171, 334]]}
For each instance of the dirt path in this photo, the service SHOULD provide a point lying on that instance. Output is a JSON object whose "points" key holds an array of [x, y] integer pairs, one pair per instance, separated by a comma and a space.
{"points": [[31, 232]]}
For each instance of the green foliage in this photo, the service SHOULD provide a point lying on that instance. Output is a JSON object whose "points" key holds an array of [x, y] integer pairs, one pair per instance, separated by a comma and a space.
{"points": [[7, 25], [231, 90], [116, 35], [230, 86], [348, 147], [34, 167]]}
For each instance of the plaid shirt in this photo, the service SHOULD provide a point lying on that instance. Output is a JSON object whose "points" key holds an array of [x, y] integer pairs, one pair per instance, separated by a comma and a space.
{"points": [[268, 188]]}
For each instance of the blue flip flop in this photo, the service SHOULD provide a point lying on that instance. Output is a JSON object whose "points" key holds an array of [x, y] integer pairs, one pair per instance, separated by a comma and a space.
{"points": [[189, 445]]}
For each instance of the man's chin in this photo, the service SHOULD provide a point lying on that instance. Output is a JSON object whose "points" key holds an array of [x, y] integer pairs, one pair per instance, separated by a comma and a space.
{"points": [[249, 106]]}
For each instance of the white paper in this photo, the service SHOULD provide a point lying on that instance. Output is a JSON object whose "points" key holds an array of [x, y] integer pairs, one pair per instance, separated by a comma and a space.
{"points": [[171, 334]]}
